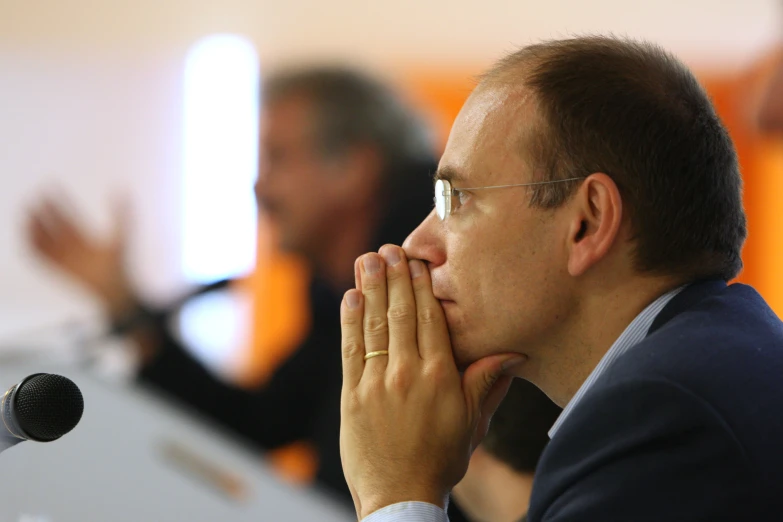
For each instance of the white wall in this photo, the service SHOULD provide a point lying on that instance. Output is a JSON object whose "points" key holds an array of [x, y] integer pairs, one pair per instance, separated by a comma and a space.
{"points": [[88, 129], [387, 32], [90, 93]]}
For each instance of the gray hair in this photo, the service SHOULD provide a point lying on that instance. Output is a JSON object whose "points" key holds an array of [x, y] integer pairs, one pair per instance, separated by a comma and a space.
{"points": [[353, 108]]}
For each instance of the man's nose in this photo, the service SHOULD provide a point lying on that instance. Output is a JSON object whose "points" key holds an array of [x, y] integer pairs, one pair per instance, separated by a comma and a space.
{"points": [[425, 242]]}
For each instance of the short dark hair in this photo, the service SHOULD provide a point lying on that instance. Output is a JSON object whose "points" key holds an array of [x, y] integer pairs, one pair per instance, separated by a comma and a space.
{"points": [[633, 111], [353, 108], [519, 429]]}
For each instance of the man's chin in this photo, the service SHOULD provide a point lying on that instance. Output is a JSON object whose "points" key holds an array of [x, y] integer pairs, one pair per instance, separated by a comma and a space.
{"points": [[286, 246], [294, 247], [463, 357], [462, 360], [289, 244]]}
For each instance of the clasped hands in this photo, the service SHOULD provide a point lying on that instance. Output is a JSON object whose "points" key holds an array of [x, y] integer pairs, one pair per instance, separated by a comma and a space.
{"points": [[410, 419]]}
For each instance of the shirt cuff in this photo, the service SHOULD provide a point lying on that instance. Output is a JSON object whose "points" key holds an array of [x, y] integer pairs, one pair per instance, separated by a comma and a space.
{"points": [[408, 512]]}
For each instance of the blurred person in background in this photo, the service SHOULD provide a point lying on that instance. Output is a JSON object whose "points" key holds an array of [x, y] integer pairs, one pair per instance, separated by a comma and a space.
{"points": [[499, 480], [345, 167]]}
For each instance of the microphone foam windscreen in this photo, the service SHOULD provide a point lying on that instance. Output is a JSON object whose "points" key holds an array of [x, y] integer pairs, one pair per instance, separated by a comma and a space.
{"points": [[48, 406]]}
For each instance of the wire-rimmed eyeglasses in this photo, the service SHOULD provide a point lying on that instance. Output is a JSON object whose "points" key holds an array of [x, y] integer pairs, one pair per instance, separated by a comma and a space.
{"points": [[445, 193]]}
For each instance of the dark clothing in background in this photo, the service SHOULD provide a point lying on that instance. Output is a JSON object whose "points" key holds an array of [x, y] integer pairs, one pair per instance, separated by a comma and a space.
{"points": [[687, 425], [301, 401]]}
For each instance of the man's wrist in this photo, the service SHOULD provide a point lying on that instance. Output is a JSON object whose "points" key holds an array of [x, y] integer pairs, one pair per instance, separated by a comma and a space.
{"points": [[418, 511], [119, 301], [371, 505]]}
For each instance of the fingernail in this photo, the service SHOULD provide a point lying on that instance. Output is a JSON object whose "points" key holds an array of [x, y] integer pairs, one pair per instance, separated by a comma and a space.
{"points": [[512, 362], [416, 267], [371, 264], [352, 298], [391, 255]]}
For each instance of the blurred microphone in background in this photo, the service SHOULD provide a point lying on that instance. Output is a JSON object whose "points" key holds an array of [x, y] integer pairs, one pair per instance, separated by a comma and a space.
{"points": [[144, 316]]}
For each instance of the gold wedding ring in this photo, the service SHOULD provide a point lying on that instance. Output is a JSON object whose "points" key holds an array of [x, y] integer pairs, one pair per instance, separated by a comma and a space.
{"points": [[376, 354]]}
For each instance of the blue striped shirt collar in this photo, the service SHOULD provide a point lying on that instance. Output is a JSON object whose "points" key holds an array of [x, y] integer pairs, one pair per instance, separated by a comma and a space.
{"points": [[631, 336]]}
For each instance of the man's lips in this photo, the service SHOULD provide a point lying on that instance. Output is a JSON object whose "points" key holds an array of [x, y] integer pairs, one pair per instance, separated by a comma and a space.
{"points": [[442, 297]]}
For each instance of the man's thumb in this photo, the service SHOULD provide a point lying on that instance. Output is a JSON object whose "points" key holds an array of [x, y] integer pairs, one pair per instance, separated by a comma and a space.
{"points": [[485, 385]]}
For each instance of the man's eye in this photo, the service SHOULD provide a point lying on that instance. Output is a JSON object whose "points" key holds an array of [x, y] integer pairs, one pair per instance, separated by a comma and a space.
{"points": [[461, 196]]}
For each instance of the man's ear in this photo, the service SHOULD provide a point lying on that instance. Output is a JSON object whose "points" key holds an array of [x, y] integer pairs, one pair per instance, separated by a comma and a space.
{"points": [[595, 226]]}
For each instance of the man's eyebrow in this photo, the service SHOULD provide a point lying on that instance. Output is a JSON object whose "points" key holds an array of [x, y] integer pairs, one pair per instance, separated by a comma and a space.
{"points": [[448, 174]]}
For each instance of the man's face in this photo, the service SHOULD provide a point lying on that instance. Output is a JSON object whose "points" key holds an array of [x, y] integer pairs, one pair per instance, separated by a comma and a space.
{"points": [[498, 265], [295, 186]]}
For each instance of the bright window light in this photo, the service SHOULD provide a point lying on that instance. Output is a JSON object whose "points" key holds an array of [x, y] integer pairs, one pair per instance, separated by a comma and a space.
{"points": [[221, 103]]}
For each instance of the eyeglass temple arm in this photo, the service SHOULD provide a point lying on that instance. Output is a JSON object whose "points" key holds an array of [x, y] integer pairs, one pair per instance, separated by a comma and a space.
{"points": [[517, 184]]}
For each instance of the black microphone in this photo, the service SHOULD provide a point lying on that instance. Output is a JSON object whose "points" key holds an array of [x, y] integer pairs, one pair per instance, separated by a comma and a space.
{"points": [[42, 407], [221, 284], [144, 315]]}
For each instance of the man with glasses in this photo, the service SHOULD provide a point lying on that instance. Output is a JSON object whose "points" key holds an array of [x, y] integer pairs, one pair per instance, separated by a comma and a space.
{"points": [[588, 218]]}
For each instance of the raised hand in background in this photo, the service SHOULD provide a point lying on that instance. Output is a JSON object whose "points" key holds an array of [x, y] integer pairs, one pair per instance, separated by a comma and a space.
{"points": [[96, 264]]}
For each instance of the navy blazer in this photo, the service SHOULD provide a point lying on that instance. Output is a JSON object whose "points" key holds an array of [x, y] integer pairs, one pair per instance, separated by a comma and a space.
{"points": [[685, 426]]}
